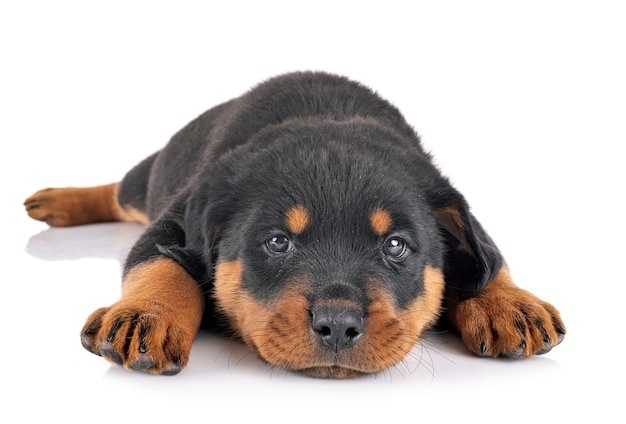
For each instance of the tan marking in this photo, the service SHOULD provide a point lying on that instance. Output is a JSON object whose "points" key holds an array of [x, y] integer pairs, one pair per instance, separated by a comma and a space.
{"points": [[297, 219], [427, 307], [131, 214], [395, 331], [450, 219], [227, 289], [127, 213], [69, 206], [381, 221], [159, 296], [489, 321], [279, 331]]}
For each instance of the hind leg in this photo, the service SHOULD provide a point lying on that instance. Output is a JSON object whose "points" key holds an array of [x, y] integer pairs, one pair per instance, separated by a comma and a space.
{"points": [[64, 207], [124, 201]]}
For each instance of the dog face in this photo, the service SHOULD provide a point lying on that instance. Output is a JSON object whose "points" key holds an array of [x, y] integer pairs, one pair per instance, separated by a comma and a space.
{"points": [[328, 255]]}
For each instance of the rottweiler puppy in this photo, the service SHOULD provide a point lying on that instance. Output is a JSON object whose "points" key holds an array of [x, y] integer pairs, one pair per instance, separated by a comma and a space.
{"points": [[306, 219]]}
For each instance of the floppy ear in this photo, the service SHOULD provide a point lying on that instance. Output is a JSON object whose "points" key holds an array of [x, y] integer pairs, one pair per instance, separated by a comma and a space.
{"points": [[472, 258], [201, 225], [188, 259], [186, 234]]}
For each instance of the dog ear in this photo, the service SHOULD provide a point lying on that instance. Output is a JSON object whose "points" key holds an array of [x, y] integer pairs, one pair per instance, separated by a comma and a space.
{"points": [[471, 259], [186, 233], [166, 236], [202, 220], [188, 259]]}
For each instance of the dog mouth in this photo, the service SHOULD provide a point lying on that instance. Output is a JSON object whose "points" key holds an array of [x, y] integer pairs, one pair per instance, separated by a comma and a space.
{"points": [[381, 345], [331, 372], [334, 342], [303, 348], [318, 361], [334, 338]]}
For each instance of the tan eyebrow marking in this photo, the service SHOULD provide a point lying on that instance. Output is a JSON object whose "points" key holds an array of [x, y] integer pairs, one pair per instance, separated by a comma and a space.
{"points": [[297, 219], [381, 221]]}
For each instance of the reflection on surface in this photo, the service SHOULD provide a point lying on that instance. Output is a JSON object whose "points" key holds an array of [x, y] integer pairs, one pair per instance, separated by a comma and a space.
{"points": [[439, 358], [106, 241]]}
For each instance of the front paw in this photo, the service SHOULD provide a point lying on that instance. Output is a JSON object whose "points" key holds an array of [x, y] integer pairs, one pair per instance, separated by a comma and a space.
{"points": [[506, 321], [139, 335]]}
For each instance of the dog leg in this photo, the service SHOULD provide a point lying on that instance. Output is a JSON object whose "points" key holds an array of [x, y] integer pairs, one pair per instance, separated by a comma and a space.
{"points": [[152, 327], [503, 320], [64, 207]]}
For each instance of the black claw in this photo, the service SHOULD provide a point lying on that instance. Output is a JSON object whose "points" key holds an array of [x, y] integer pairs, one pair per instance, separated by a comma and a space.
{"points": [[144, 329], [483, 348], [89, 330], [116, 326]]}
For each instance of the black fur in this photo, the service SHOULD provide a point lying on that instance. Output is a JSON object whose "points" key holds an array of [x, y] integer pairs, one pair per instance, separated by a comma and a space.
{"points": [[221, 185]]}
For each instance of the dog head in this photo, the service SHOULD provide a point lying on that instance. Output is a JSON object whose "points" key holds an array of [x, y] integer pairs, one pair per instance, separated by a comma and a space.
{"points": [[329, 244]]}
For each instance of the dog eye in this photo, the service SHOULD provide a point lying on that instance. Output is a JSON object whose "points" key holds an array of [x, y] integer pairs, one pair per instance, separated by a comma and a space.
{"points": [[394, 247], [279, 243]]}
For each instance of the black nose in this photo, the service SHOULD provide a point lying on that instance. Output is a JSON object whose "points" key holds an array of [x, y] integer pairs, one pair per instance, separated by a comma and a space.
{"points": [[337, 328]]}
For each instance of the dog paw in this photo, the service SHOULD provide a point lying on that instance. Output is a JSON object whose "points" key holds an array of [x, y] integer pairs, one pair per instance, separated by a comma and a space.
{"points": [[51, 206], [139, 336], [506, 321], [64, 207]]}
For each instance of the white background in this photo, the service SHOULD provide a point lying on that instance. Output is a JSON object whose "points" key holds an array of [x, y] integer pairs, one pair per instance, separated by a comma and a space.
{"points": [[522, 105]]}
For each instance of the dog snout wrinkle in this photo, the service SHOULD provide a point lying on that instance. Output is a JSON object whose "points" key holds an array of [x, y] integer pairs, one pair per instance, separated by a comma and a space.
{"points": [[337, 328]]}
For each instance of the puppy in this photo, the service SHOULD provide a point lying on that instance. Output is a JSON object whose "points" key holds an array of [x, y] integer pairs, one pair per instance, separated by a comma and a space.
{"points": [[305, 218]]}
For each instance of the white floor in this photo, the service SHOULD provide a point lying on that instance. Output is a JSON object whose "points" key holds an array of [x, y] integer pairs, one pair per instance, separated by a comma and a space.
{"points": [[523, 108]]}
